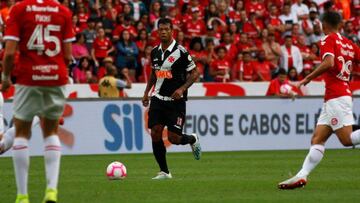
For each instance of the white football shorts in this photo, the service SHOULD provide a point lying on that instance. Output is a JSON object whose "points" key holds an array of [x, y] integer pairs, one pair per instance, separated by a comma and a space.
{"points": [[30, 101], [337, 113]]}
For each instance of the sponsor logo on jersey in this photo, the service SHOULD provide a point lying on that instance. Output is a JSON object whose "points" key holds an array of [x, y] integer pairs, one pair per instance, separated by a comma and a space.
{"points": [[163, 74]]}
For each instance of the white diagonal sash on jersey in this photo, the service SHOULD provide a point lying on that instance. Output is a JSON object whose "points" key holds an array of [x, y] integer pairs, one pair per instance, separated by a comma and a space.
{"points": [[166, 66]]}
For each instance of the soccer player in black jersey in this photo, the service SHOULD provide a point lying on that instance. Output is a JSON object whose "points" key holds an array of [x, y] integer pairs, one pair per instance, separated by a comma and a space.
{"points": [[173, 72]]}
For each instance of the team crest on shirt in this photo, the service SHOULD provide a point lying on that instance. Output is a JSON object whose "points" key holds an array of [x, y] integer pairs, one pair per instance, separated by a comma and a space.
{"points": [[334, 121], [171, 59]]}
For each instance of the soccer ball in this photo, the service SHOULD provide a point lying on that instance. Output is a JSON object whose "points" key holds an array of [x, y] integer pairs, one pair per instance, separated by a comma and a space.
{"points": [[116, 171]]}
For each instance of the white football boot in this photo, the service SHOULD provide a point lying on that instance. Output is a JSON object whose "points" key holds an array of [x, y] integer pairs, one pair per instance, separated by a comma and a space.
{"points": [[162, 176], [292, 183], [196, 148]]}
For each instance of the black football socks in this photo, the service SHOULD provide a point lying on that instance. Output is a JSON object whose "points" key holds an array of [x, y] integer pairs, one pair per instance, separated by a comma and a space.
{"points": [[159, 152], [187, 139]]}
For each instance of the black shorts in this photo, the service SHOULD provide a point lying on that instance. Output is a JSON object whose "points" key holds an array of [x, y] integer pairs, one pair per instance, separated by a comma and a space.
{"points": [[168, 113]]}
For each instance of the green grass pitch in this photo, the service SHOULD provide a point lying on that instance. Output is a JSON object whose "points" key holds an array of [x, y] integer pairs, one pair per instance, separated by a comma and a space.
{"points": [[247, 176]]}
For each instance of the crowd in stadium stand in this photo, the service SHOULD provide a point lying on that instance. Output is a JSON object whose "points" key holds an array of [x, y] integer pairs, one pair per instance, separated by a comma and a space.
{"points": [[230, 40]]}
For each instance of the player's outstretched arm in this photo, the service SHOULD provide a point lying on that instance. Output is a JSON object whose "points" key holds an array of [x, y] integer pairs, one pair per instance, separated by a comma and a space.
{"points": [[327, 63], [8, 63]]}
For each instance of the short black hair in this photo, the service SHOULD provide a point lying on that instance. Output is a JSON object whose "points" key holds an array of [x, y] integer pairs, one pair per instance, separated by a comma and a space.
{"points": [[217, 49], [164, 21], [332, 18], [282, 71], [328, 5], [288, 36]]}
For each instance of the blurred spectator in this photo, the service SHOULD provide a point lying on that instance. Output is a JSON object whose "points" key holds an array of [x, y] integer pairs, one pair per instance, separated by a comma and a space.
{"points": [[199, 55], [144, 19], [246, 44], [108, 61], [109, 86], [210, 50], [280, 86], [102, 47], [90, 34], [126, 25], [211, 11], [155, 12], [244, 70], [272, 50], [176, 19], [315, 54], [83, 16], [273, 22], [138, 9], [83, 73], [230, 47], [223, 10], [247, 69], [349, 32], [356, 18], [234, 33], [300, 10], [108, 24], [293, 75], [142, 41], [307, 25], [256, 7], [117, 4], [195, 27], [127, 53], [317, 35], [243, 20], [214, 30], [262, 38], [288, 18], [263, 68], [253, 27], [304, 48], [196, 4], [75, 24], [220, 68], [127, 12], [145, 62], [295, 34], [180, 39], [79, 48], [234, 15], [291, 55]]}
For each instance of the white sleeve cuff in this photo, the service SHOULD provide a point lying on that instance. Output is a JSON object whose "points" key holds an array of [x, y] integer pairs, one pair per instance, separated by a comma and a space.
{"points": [[10, 37], [69, 40], [189, 68], [328, 53]]}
